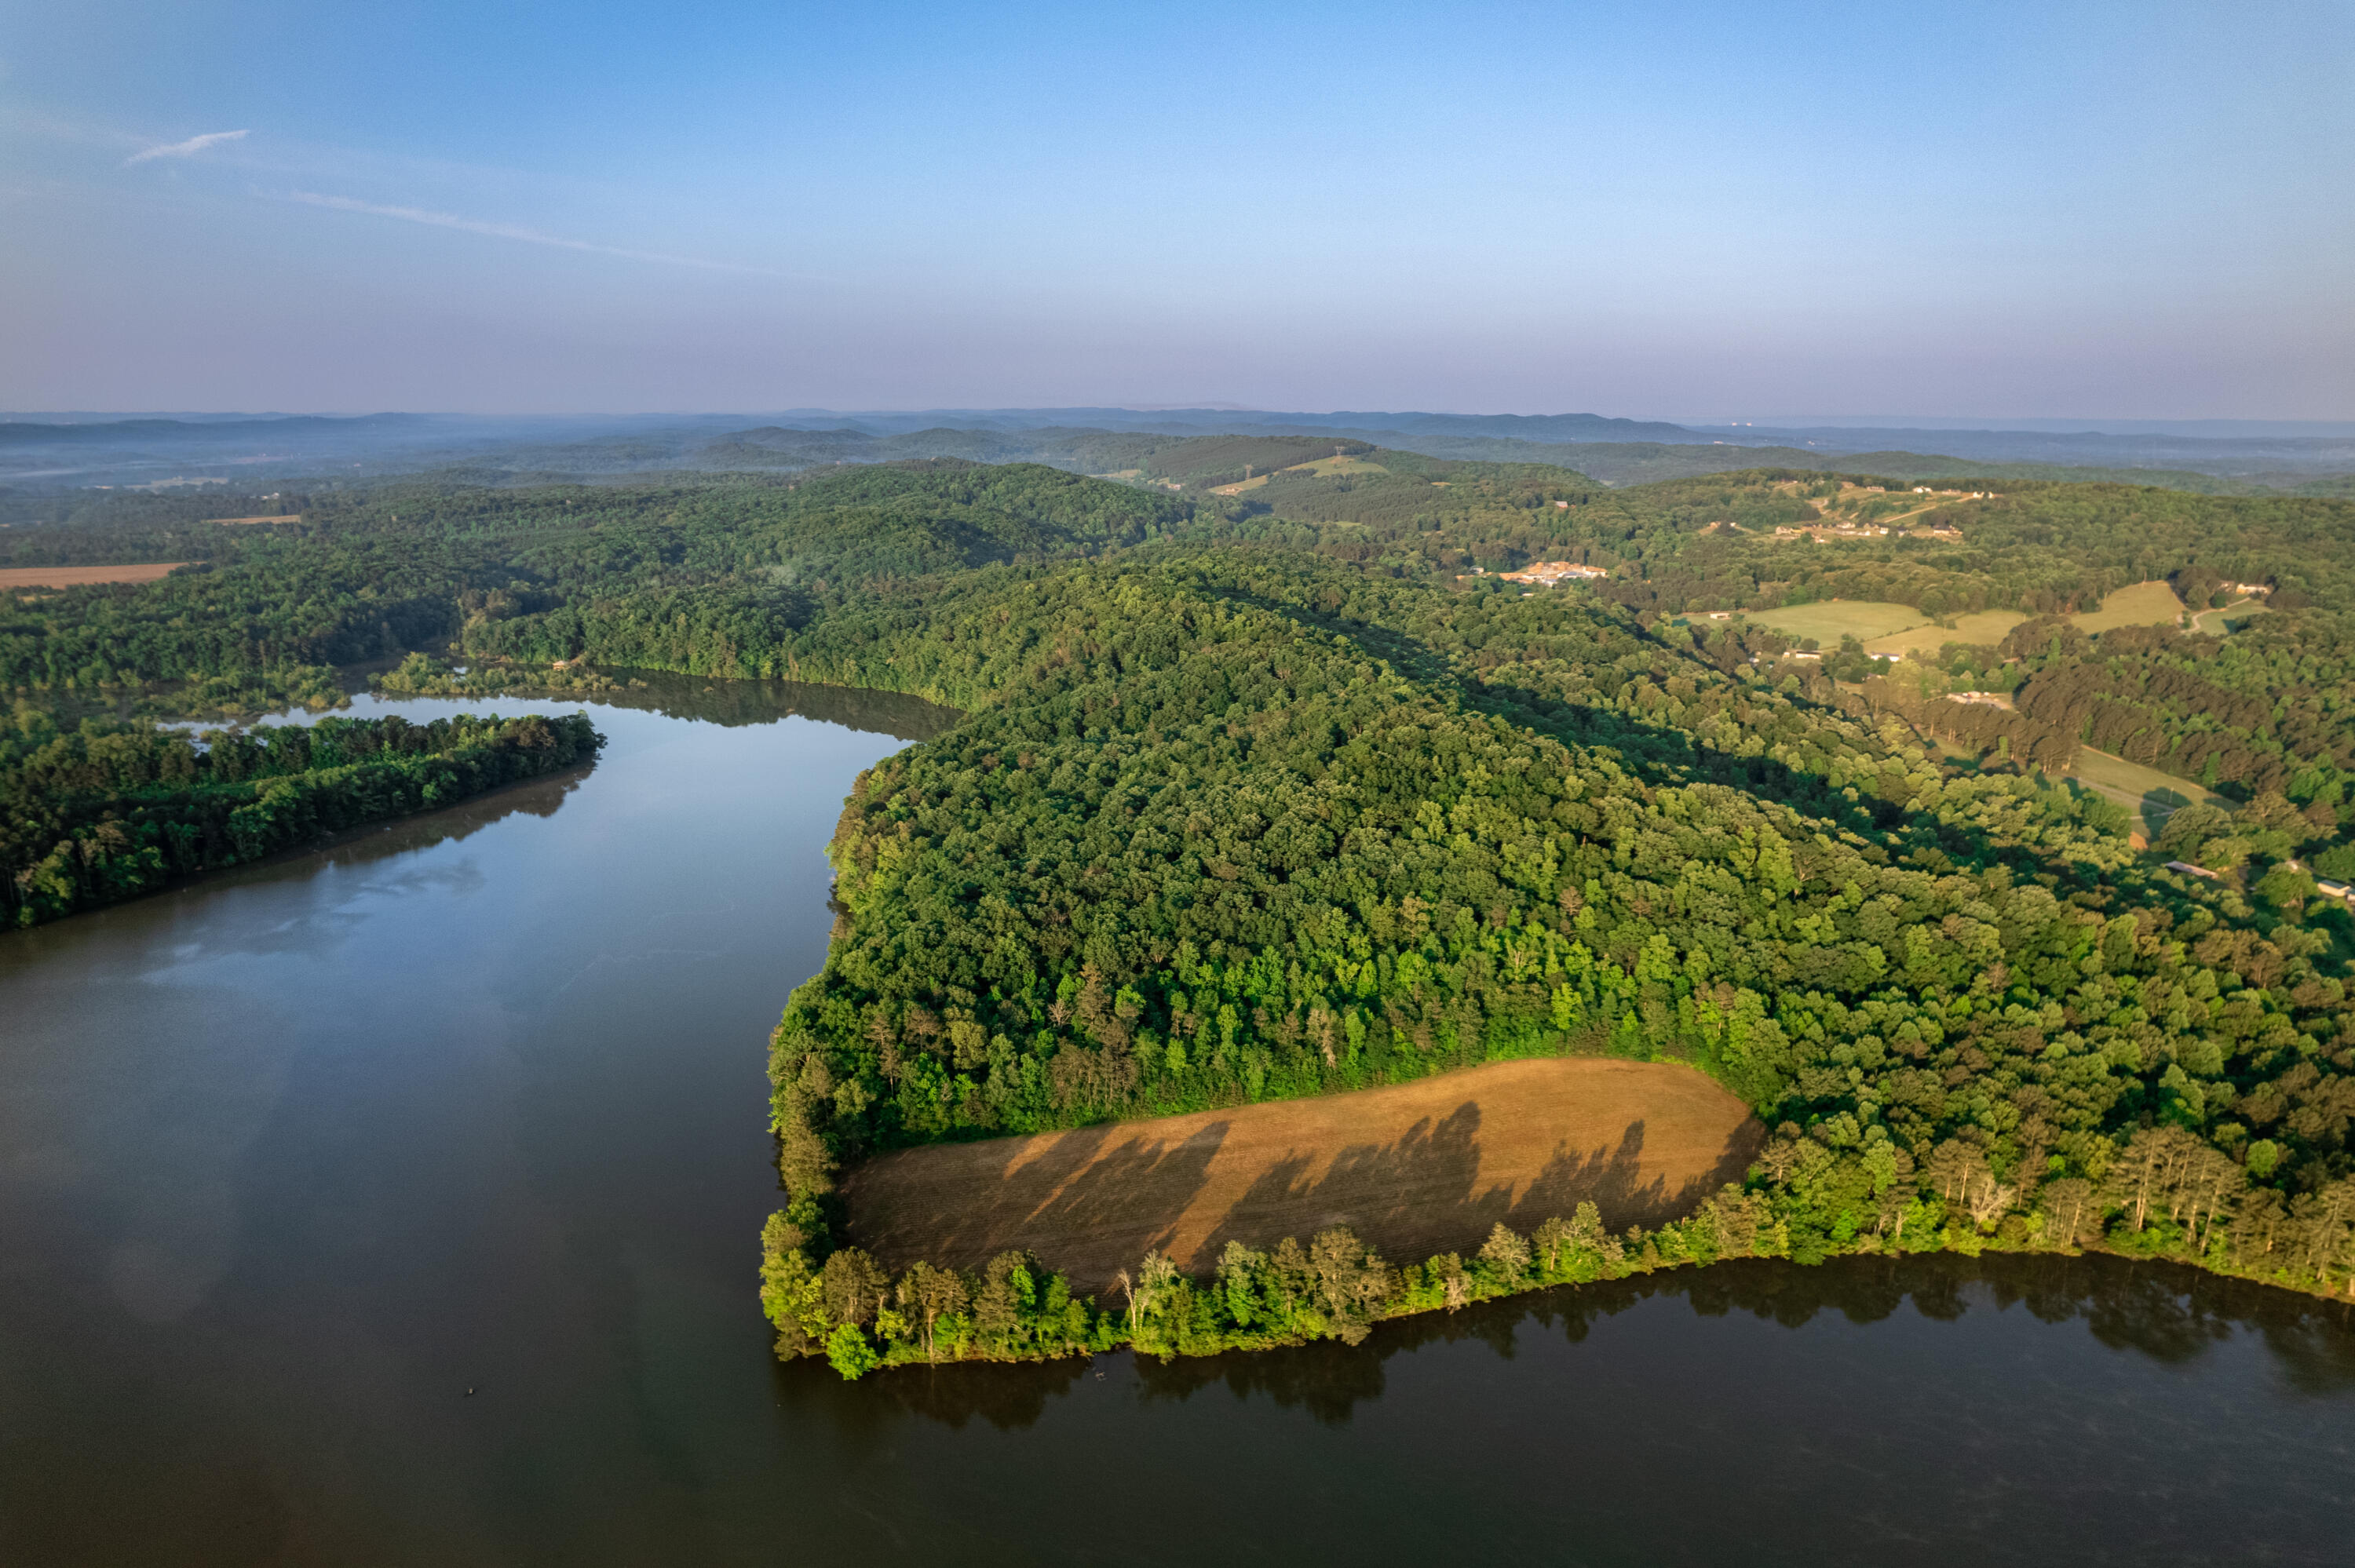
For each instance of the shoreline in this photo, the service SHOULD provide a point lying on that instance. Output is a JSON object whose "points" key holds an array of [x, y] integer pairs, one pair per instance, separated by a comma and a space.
{"points": [[1165, 1315]]}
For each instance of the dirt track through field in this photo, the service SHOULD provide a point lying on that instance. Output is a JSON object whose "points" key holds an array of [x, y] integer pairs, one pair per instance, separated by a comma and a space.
{"points": [[1417, 1168], [78, 576]]}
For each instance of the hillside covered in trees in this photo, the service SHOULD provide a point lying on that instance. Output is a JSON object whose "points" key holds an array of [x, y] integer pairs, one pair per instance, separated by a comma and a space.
{"points": [[1271, 794]]}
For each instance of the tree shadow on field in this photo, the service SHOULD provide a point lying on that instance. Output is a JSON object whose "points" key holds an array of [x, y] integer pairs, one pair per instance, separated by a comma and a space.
{"points": [[1423, 1193], [1088, 1201]]}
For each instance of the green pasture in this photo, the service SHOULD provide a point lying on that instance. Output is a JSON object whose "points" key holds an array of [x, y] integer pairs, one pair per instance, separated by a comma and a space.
{"points": [[1828, 622], [2156, 795], [1982, 627], [2144, 604]]}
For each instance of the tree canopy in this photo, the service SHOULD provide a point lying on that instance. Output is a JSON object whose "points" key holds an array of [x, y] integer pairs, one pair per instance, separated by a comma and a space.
{"points": [[1273, 794]]}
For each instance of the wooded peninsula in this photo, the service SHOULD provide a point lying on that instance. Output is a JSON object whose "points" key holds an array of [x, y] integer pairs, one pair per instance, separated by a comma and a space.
{"points": [[1271, 785]]}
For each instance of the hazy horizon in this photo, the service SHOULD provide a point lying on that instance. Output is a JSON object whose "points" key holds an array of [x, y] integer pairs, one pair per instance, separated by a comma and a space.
{"points": [[1763, 425], [573, 210]]}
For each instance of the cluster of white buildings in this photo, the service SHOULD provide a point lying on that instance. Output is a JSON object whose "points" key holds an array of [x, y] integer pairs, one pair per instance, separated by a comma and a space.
{"points": [[1546, 574], [1822, 530]]}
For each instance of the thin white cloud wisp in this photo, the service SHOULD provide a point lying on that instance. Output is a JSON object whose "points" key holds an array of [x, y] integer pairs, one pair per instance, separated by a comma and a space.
{"points": [[188, 149], [510, 231]]}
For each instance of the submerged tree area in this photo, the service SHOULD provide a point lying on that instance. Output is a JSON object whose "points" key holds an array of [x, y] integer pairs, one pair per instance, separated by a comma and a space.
{"points": [[1253, 801]]}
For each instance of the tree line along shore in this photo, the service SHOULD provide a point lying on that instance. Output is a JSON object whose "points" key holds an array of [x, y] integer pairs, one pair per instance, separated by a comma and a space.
{"points": [[1252, 799], [2168, 1196]]}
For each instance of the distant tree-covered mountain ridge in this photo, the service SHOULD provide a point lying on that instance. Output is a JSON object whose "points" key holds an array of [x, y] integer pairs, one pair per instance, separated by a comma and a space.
{"points": [[1272, 791], [44, 463]]}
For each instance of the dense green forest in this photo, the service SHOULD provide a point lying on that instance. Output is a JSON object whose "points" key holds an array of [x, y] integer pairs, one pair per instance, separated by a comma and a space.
{"points": [[1708, 544], [2266, 711], [1217, 853], [1270, 795]]}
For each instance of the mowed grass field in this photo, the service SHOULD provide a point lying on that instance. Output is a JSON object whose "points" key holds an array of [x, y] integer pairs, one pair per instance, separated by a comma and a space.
{"points": [[2132, 785], [2219, 622], [1864, 620], [79, 576], [1900, 628], [1986, 627], [1344, 463], [2144, 604], [1416, 1168], [1320, 467]]}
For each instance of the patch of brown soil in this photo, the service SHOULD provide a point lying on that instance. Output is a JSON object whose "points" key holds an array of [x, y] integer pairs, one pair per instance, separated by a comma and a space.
{"points": [[1416, 1168], [77, 576]]}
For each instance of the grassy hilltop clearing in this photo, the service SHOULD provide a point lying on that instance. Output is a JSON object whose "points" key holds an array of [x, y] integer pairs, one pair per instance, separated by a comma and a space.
{"points": [[1283, 793]]}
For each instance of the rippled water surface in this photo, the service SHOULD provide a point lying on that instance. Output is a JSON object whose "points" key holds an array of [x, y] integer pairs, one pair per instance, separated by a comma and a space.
{"points": [[399, 1203]]}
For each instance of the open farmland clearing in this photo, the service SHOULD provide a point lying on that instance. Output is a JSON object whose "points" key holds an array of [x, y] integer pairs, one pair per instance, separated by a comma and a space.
{"points": [[82, 576], [1320, 468], [1832, 619], [1900, 628], [2156, 795], [1414, 1167], [1984, 627], [2144, 604], [1344, 463], [2219, 622]]}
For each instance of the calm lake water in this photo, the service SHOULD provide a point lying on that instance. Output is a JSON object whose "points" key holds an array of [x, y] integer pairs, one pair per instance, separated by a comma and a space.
{"points": [[292, 1159]]}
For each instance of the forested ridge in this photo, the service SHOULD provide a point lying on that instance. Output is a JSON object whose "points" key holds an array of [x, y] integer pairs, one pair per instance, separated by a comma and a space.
{"points": [[2260, 712], [1204, 849], [2266, 711], [1253, 800], [1708, 544]]}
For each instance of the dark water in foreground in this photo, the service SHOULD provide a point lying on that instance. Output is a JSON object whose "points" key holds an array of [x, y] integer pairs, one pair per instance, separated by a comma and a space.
{"points": [[291, 1160]]}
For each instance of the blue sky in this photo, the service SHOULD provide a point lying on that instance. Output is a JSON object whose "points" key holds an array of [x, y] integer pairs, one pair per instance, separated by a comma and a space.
{"points": [[2132, 210]]}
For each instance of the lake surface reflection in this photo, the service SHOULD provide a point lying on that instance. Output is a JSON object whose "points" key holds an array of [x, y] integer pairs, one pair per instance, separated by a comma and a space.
{"points": [[292, 1159]]}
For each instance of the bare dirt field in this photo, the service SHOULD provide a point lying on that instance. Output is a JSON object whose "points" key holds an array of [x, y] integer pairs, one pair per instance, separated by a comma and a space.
{"points": [[1416, 1168], [78, 576]]}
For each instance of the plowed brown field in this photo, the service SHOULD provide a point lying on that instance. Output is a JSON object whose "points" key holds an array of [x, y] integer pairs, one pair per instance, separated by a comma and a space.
{"points": [[1416, 1168], [76, 576]]}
